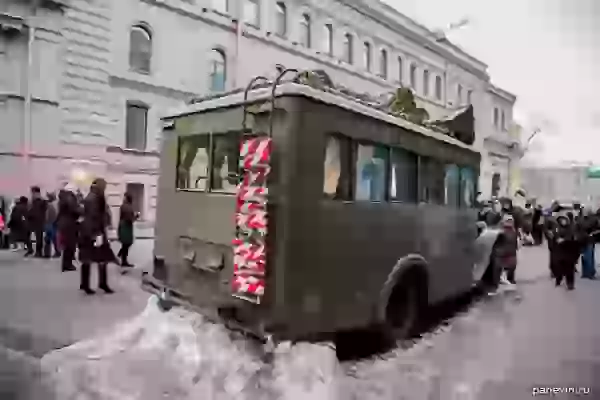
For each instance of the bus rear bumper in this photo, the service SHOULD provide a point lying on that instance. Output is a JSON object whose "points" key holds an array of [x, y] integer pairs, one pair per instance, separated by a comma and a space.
{"points": [[235, 318]]}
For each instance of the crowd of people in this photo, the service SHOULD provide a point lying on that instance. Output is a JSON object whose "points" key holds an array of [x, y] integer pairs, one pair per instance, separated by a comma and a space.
{"points": [[571, 232], [67, 225]]}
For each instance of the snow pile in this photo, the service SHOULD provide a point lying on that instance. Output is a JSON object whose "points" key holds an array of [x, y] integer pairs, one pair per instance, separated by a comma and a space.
{"points": [[179, 355], [306, 371]]}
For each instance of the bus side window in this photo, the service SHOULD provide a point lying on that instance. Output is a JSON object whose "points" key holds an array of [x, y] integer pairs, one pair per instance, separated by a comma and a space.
{"points": [[431, 180], [337, 180], [467, 187], [371, 171], [452, 186], [192, 163], [404, 180]]}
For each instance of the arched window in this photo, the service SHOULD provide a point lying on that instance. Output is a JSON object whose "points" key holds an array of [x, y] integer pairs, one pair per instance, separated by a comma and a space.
{"points": [[218, 70], [425, 83], [413, 76], [400, 70], [281, 19], [438, 87], [348, 48], [305, 31], [367, 56], [496, 118], [140, 49], [383, 64]]}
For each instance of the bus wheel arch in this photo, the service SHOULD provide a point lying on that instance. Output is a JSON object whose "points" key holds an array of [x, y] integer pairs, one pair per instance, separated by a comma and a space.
{"points": [[404, 296]]}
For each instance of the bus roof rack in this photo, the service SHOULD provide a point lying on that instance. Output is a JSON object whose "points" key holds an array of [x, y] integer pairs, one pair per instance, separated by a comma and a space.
{"points": [[399, 105]]}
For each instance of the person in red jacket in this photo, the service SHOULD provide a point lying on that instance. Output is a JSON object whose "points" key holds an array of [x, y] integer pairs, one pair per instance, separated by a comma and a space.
{"points": [[508, 246]]}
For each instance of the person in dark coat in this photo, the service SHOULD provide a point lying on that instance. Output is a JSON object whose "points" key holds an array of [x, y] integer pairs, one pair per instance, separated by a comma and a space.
{"points": [[93, 243], [538, 227], [50, 231], [4, 215], [550, 231], [588, 226], [37, 220], [567, 249], [68, 227], [127, 217], [17, 224]]}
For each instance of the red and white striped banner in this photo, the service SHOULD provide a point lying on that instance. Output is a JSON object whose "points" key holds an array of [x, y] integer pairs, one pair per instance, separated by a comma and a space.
{"points": [[251, 218]]}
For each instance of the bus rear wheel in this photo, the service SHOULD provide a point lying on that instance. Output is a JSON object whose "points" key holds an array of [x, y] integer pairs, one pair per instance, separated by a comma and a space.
{"points": [[403, 308]]}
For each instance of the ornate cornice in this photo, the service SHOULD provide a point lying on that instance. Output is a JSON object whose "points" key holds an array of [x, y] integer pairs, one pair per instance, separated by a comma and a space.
{"points": [[407, 27]]}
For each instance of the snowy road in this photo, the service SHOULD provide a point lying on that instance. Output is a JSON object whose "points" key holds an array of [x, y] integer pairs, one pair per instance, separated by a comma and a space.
{"points": [[502, 348]]}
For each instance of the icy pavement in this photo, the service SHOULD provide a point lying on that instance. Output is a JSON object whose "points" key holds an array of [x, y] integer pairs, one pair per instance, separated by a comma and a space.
{"points": [[178, 355], [500, 348]]}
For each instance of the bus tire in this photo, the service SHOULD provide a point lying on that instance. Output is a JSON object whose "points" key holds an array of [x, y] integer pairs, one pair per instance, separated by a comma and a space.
{"points": [[404, 306]]}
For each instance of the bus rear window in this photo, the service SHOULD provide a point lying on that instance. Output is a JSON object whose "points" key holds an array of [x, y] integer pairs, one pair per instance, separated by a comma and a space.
{"points": [[225, 158], [371, 167], [208, 162], [193, 161]]}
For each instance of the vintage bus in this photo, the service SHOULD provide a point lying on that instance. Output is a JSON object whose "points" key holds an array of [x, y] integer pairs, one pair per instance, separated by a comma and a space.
{"points": [[300, 211]]}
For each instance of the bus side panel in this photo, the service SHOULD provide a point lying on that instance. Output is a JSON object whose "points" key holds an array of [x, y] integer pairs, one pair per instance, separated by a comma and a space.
{"points": [[447, 237], [340, 253], [368, 240]]}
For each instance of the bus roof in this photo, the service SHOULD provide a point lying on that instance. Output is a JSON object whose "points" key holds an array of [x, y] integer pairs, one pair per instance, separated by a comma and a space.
{"points": [[236, 98]]}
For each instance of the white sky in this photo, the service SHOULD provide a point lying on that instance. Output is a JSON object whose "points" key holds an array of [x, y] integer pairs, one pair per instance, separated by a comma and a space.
{"points": [[544, 51]]}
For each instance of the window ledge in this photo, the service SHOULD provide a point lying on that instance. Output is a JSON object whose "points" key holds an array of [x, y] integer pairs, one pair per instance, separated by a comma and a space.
{"points": [[139, 71], [226, 14], [137, 152]]}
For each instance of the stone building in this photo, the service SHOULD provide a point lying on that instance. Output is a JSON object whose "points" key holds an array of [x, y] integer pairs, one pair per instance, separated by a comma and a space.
{"points": [[101, 72], [565, 183]]}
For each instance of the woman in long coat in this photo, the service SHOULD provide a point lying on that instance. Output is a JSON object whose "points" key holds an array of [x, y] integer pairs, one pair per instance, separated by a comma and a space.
{"points": [[93, 243], [127, 217]]}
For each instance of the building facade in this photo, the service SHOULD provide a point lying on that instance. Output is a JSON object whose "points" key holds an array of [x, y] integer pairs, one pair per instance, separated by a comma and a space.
{"points": [[563, 183], [518, 152], [101, 72]]}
